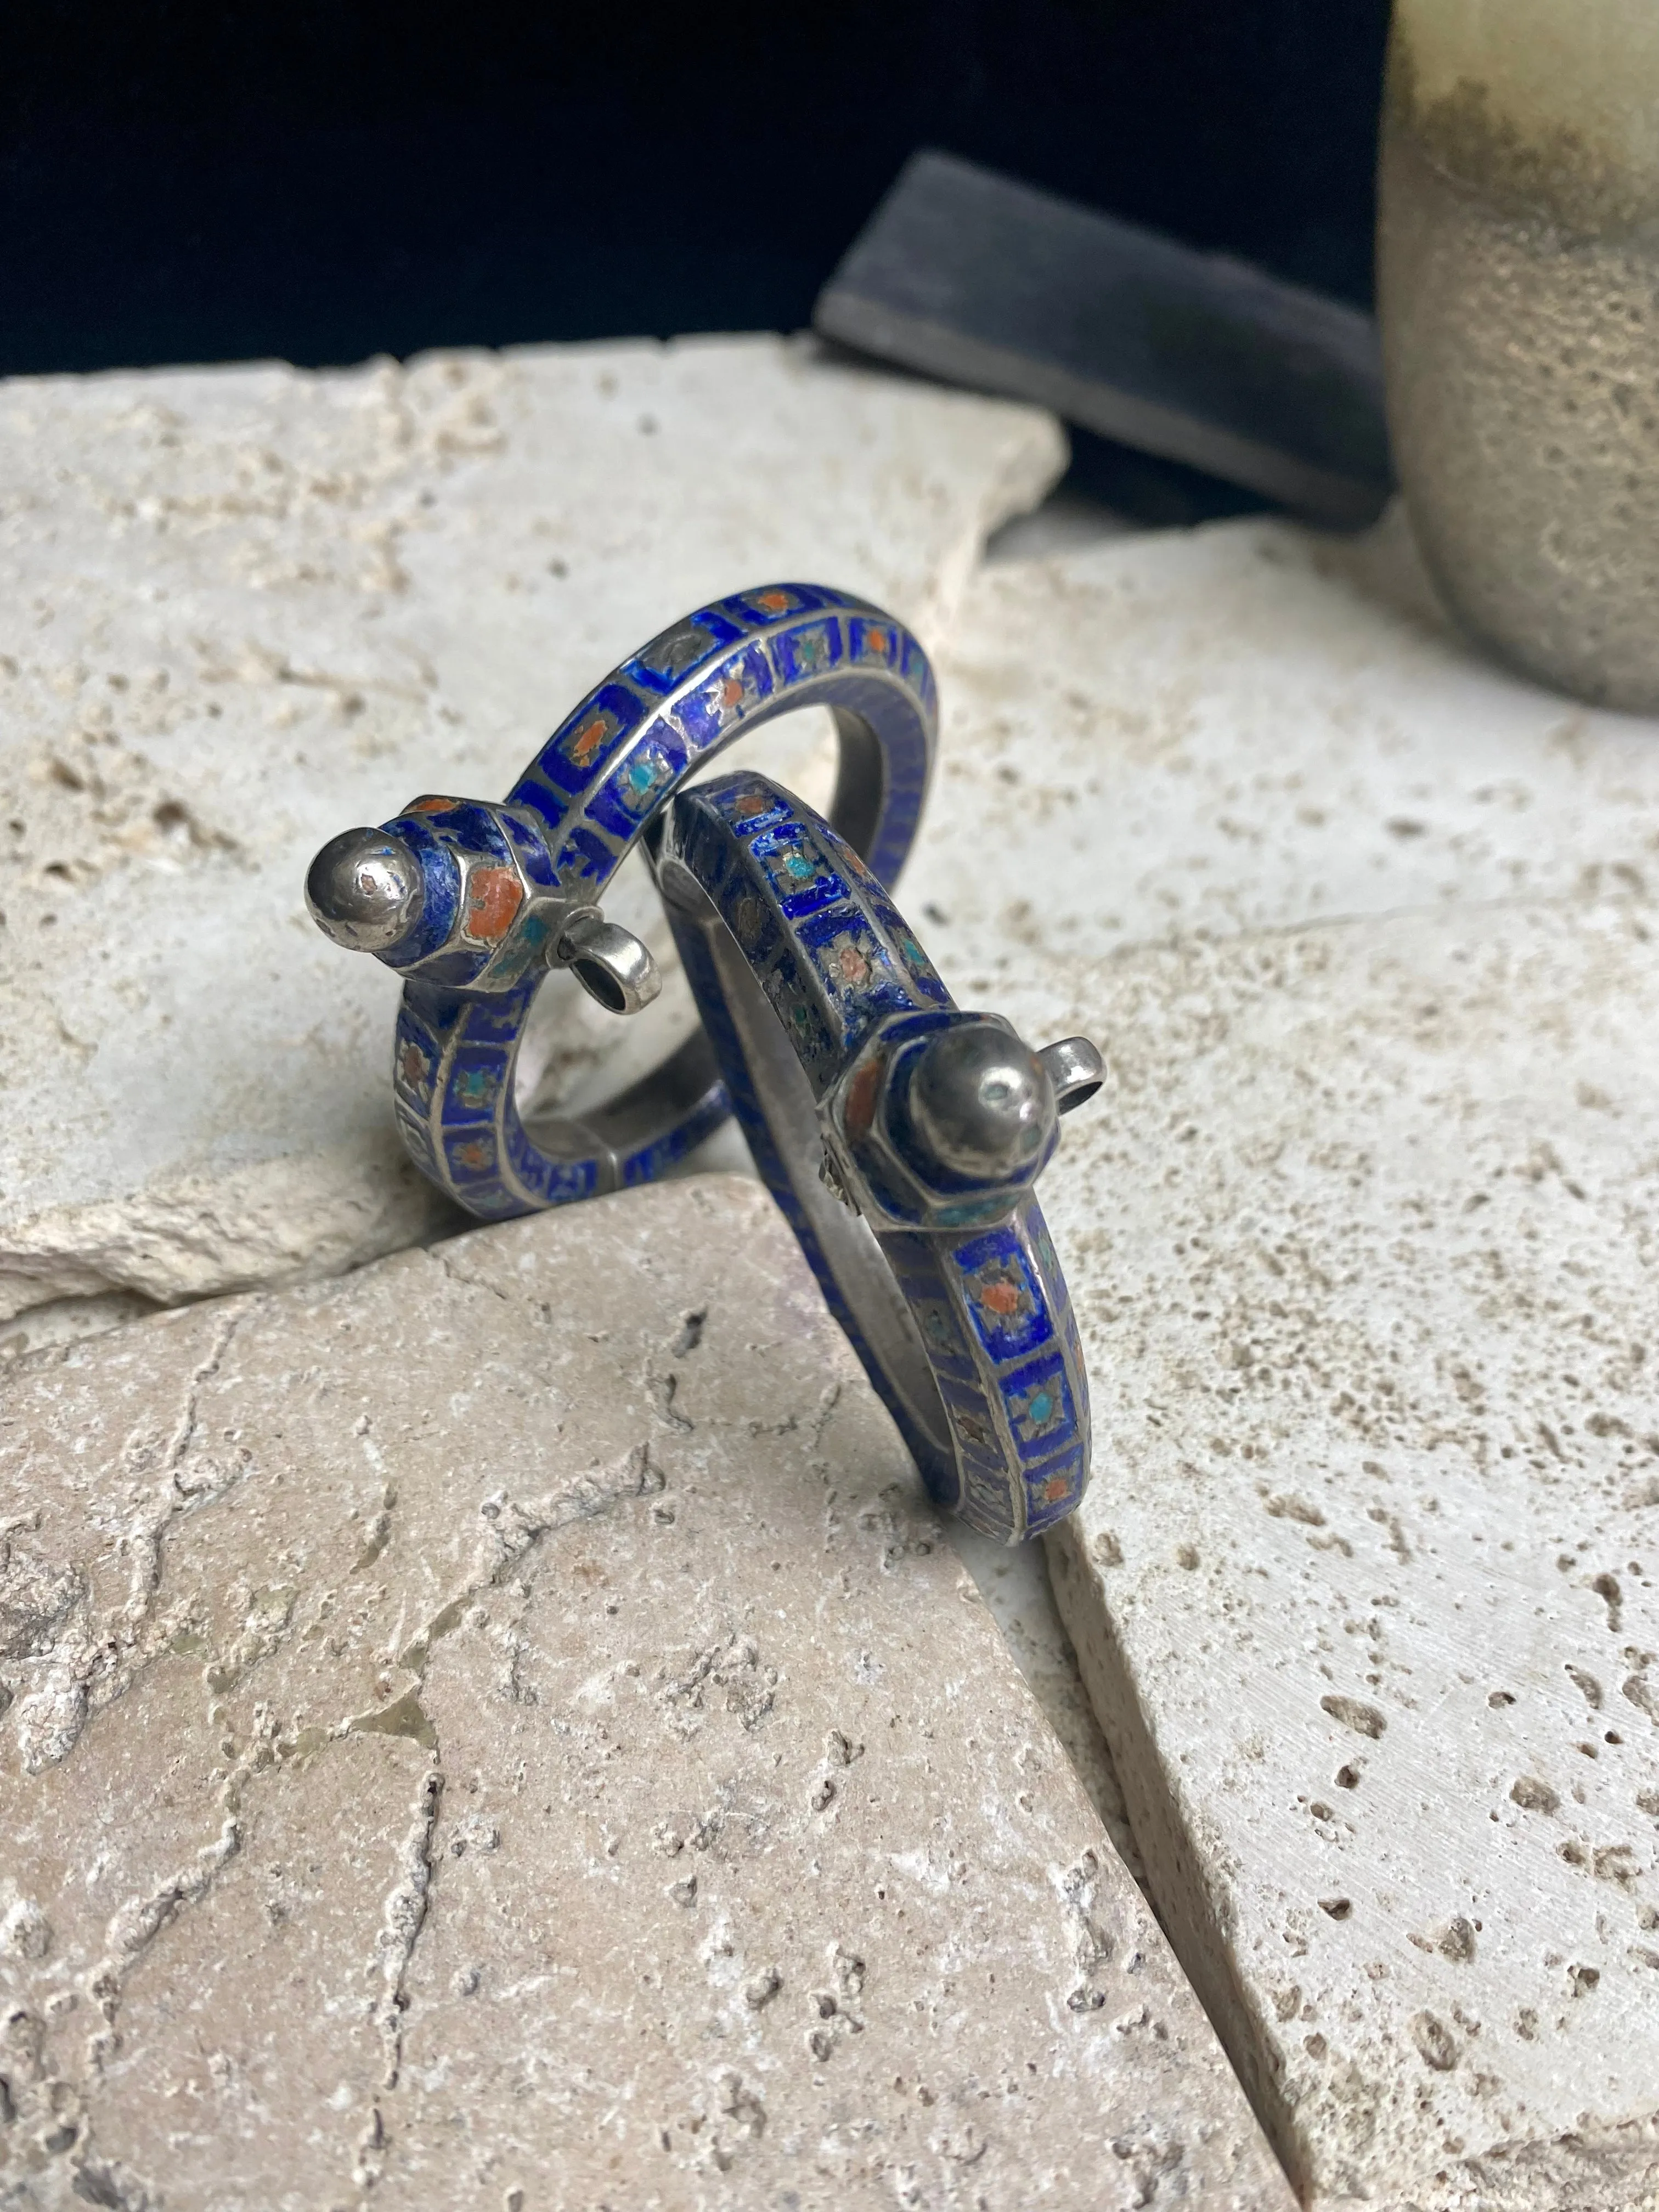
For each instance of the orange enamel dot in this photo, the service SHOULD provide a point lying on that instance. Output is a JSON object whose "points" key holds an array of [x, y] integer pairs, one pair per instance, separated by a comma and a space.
{"points": [[587, 741], [493, 897], [861, 1093]]}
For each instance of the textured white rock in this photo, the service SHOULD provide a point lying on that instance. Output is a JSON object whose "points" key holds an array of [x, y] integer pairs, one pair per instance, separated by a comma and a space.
{"points": [[242, 609], [1366, 1591], [1365, 1241], [1248, 727], [504, 1729], [1365, 1248], [1016, 1587]]}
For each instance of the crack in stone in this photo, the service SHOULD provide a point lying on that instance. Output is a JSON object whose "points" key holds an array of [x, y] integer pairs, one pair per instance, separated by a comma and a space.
{"points": [[58, 2103], [468, 1281], [511, 1529], [402, 1918], [86, 1664], [134, 1926]]}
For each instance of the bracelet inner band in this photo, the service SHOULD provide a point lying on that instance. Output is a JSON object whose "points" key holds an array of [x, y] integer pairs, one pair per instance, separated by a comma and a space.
{"points": [[671, 1093], [779, 1113]]}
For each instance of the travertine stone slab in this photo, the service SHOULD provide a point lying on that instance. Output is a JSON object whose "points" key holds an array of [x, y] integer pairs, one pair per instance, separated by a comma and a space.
{"points": [[241, 609], [502, 1727], [1014, 1583], [1247, 726], [1365, 1245]]}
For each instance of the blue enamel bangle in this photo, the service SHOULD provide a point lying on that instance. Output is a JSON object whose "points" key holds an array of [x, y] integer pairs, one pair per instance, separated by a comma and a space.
{"points": [[473, 902], [902, 1139]]}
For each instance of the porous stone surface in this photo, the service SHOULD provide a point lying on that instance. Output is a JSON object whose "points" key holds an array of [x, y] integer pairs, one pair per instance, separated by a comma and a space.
{"points": [[1363, 1239], [1366, 1254], [1014, 1583], [1248, 727], [502, 1727], [242, 609]]}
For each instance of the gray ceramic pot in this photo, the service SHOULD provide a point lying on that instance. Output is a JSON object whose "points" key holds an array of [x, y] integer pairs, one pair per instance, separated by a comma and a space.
{"points": [[1518, 286]]}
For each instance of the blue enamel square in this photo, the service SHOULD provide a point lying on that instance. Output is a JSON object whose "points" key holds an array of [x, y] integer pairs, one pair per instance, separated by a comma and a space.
{"points": [[472, 828], [531, 849], [476, 1080], [437, 1012], [498, 1018], [804, 1023], [668, 659], [638, 784], [652, 1161], [856, 968], [749, 820], [1002, 1294], [1053, 1487], [812, 650], [1040, 1409], [452, 971], [578, 750], [707, 713], [871, 639], [584, 859], [553, 1183], [469, 1154], [803, 882], [823, 889], [777, 601]]}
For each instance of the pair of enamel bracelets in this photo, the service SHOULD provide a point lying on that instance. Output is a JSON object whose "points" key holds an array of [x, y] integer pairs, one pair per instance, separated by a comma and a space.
{"points": [[901, 1137]]}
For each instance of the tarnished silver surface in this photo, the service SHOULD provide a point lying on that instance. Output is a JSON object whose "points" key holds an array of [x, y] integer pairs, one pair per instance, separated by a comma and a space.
{"points": [[901, 1135], [1076, 1070], [613, 966], [365, 890], [982, 1104], [472, 901]]}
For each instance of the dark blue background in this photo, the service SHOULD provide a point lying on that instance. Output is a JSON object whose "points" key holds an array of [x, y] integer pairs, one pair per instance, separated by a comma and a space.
{"points": [[322, 180]]}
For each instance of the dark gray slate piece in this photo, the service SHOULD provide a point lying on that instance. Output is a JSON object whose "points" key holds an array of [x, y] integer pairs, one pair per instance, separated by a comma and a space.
{"points": [[974, 279]]}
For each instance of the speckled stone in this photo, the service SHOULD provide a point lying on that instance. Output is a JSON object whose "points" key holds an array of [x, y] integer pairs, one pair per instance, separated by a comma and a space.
{"points": [[503, 1727], [1364, 1244], [243, 608], [1248, 727], [1363, 1237]]}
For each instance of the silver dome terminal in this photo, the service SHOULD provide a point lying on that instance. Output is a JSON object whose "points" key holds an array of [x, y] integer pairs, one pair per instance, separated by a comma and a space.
{"points": [[365, 889], [981, 1103]]}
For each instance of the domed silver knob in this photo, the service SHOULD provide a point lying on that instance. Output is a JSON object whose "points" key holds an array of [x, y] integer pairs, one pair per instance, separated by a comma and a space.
{"points": [[365, 889], [982, 1104]]}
